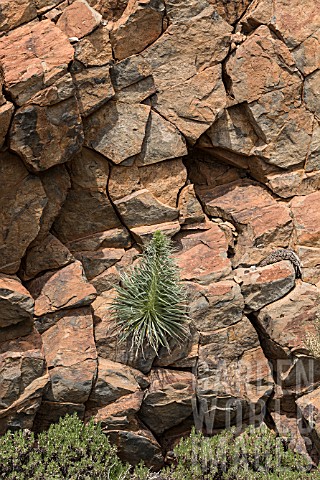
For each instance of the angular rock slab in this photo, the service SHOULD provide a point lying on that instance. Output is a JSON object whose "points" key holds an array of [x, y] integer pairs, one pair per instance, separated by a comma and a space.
{"points": [[203, 256], [14, 14], [79, 19], [37, 67], [23, 378], [190, 92], [71, 357], [66, 288], [263, 223], [139, 26], [306, 219], [87, 210], [46, 254], [16, 303], [22, 201], [168, 400], [216, 305], [117, 130], [133, 440], [114, 380], [94, 89], [266, 284], [47, 136], [94, 263], [261, 64], [234, 378], [6, 112], [95, 49]]}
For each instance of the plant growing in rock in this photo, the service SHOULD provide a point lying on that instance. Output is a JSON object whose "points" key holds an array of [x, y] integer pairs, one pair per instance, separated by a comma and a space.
{"points": [[150, 306]]}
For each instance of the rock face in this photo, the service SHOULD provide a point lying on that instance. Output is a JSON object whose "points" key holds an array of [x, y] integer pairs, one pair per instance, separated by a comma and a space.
{"points": [[196, 118]]}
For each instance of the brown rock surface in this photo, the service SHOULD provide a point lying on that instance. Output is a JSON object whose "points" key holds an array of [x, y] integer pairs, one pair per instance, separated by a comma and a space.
{"points": [[46, 254], [189, 206], [87, 209], [71, 357], [139, 26], [6, 112], [22, 373], [66, 288], [203, 257], [16, 303], [97, 262], [22, 200], [79, 19], [266, 284], [94, 89], [114, 380], [47, 136], [306, 219], [240, 202], [216, 305], [95, 49], [27, 70], [117, 130], [14, 14], [168, 399]]}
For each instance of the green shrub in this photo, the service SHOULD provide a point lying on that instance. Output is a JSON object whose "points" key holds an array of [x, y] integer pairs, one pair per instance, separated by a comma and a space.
{"points": [[150, 303], [68, 450], [257, 454]]}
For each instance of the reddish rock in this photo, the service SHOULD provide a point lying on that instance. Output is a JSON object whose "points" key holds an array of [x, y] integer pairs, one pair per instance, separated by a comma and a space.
{"points": [[22, 200], [56, 184], [306, 219], [95, 49], [162, 142], [117, 130], [114, 238], [14, 14], [288, 320], [133, 440], [71, 357], [87, 210], [66, 288], [230, 11], [27, 70], [261, 64], [109, 9], [309, 257], [95, 263], [47, 136], [22, 372], [216, 305], [46, 254], [311, 92], [94, 89], [297, 182], [168, 399], [132, 79], [114, 380], [266, 284], [307, 54], [16, 303], [143, 235], [309, 406], [60, 90], [6, 112], [139, 26], [263, 222], [183, 60], [189, 206], [79, 19], [203, 257]]}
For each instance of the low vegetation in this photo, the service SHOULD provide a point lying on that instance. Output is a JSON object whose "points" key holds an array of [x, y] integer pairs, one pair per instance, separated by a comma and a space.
{"points": [[74, 451]]}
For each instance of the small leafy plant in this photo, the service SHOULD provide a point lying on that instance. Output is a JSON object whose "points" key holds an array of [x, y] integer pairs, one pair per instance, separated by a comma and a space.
{"points": [[68, 450], [150, 302]]}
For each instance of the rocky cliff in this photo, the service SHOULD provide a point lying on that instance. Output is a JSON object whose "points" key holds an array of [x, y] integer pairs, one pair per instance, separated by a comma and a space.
{"points": [[196, 118]]}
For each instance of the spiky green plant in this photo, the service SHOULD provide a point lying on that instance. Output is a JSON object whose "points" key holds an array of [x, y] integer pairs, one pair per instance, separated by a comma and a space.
{"points": [[150, 306]]}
